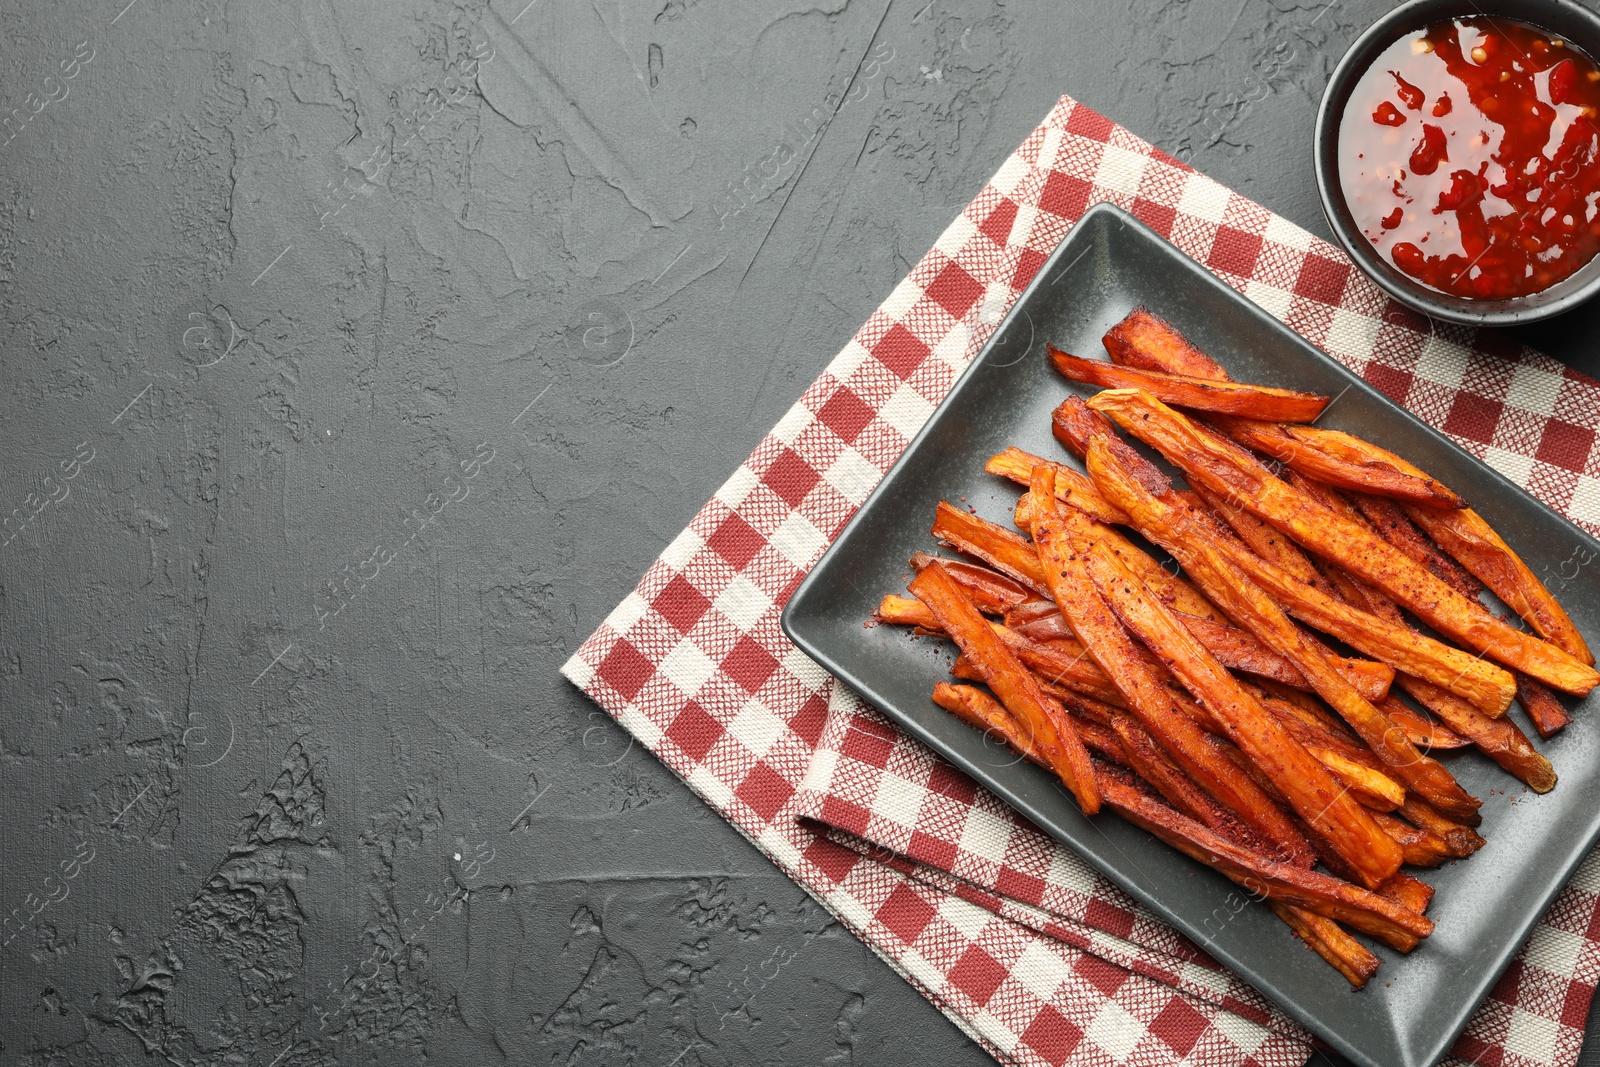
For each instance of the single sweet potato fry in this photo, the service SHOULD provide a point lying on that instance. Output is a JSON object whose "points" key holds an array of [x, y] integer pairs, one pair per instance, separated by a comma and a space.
{"points": [[1008, 553], [1549, 715], [1147, 698], [1473, 543], [1462, 841], [983, 712], [1307, 785], [1499, 739], [1148, 342], [1372, 789], [1329, 940], [1073, 487], [1199, 394], [1409, 890], [1229, 470], [1010, 681], [1389, 922]]}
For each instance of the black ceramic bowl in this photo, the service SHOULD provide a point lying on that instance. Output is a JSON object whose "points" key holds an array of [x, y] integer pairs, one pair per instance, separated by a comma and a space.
{"points": [[1563, 19]]}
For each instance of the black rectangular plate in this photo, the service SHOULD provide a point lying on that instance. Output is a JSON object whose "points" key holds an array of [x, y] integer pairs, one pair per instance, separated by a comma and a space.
{"points": [[1485, 907]]}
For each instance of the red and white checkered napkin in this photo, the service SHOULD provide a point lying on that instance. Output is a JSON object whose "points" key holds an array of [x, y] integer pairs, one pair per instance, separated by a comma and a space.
{"points": [[1007, 933]]}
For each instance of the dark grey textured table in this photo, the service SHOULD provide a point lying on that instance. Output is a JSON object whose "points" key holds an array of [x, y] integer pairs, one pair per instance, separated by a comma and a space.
{"points": [[372, 350]]}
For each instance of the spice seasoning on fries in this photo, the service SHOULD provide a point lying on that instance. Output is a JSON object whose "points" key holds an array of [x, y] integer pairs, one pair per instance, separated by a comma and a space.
{"points": [[1204, 704]]}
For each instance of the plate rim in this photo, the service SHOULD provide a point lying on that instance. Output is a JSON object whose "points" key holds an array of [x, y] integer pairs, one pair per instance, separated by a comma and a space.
{"points": [[1106, 213]]}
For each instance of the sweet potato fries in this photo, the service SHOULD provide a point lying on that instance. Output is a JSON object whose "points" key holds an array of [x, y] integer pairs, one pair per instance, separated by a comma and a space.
{"points": [[1195, 700]]}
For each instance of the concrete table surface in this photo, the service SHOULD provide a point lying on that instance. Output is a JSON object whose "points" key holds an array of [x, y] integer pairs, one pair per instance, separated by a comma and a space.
{"points": [[372, 350]]}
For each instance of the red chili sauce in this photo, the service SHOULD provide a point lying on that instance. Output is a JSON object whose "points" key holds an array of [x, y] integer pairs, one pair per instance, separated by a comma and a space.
{"points": [[1469, 154]]}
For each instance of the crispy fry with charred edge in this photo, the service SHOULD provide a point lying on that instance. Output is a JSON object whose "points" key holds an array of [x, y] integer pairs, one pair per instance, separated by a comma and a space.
{"points": [[1304, 782], [1499, 739], [1423, 848], [1462, 841], [1147, 341], [1389, 922], [1244, 601], [1229, 470], [1274, 440], [1009, 680], [1200, 394], [1177, 734], [1329, 940], [1409, 890], [1473, 543], [1071, 486], [1549, 715]]}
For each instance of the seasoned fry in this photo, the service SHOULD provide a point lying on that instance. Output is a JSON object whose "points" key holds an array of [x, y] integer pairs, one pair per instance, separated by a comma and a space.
{"points": [[1467, 537], [1308, 787], [1542, 706], [1010, 681], [1233, 590], [1266, 541], [1391, 923], [1372, 789], [983, 712], [1228, 470], [1329, 940], [1200, 394], [1148, 342], [1177, 734], [1072, 487], [1406, 889], [1499, 739], [1001, 549]]}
